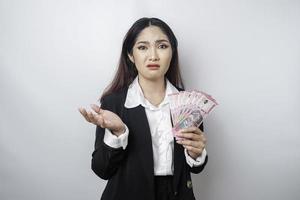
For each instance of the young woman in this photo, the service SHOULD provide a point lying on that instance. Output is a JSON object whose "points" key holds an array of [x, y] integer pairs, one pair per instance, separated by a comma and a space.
{"points": [[134, 148]]}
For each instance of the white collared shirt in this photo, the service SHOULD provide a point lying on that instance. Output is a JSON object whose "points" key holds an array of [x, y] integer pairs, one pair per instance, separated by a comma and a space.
{"points": [[160, 127]]}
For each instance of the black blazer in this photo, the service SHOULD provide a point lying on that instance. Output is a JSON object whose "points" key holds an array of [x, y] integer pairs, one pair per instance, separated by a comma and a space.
{"points": [[130, 172]]}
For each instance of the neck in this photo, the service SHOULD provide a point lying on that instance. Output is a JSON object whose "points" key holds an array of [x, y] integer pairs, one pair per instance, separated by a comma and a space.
{"points": [[152, 87]]}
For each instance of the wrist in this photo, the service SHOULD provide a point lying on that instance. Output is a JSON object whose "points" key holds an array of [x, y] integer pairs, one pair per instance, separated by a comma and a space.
{"points": [[120, 131], [193, 155]]}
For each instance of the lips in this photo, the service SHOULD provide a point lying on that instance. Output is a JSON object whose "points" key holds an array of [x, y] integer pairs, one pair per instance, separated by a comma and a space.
{"points": [[153, 66]]}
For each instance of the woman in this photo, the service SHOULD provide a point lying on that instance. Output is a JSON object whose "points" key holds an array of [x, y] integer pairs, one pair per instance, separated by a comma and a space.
{"points": [[134, 148]]}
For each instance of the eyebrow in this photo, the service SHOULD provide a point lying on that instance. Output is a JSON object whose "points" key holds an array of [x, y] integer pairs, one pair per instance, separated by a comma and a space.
{"points": [[157, 41]]}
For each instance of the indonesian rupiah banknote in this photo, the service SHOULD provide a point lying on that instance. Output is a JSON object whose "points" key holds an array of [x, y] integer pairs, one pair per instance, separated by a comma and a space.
{"points": [[189, 108]]}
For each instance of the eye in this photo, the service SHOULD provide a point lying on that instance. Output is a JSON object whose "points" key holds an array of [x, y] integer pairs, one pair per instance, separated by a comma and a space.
{"points": [[163, 46], [142, 47]]}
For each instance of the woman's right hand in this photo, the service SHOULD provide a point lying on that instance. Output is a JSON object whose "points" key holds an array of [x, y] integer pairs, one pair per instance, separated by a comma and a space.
{"points": [[104, 118]]}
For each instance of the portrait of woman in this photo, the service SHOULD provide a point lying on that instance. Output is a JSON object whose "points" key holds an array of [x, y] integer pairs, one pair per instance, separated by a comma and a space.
{"points": [[105, 100], [135, 150]]}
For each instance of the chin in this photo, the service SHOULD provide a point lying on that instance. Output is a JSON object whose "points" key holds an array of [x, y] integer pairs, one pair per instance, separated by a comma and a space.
{"points": [[153, 77]]}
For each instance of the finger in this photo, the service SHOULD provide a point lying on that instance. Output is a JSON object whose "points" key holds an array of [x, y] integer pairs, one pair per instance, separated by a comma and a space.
{"points": [[107, 122], [196, 144], [84, 114], [91, 117], [192, 136], [95, 108], [193, 149], [203, 139], [80, 110], [101, 111], [97, 120], [188, 135], [186, 142], [100, 121], [192, 129]]}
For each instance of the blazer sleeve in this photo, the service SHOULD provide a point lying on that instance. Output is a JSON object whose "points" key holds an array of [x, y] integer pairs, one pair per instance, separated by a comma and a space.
{"points": [[106, 159], [198, 169]]}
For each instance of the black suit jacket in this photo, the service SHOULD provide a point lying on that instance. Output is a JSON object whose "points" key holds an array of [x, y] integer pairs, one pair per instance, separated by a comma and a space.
{"points": [[130, 172]]}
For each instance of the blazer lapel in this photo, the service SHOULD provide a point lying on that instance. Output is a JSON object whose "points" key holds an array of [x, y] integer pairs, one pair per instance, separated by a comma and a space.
{"points": [[143, 138], [179, 160]]}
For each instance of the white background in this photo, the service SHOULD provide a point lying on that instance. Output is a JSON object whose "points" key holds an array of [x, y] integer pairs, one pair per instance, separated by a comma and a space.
{"points": [[58, 55]]}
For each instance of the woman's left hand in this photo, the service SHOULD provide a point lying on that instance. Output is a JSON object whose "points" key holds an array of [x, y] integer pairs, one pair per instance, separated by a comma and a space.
{"points": [[193, 141]]}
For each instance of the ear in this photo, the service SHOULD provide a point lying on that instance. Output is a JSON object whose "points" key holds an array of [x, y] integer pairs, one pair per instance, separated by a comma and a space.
{"points": [[130, 57]]}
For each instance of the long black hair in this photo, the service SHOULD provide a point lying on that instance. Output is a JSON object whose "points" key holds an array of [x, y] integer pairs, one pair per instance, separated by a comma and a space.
{"points": [[127, 71]]}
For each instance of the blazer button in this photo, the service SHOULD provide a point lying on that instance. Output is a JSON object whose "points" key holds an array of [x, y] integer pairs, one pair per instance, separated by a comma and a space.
{"points": [[189, 184]]}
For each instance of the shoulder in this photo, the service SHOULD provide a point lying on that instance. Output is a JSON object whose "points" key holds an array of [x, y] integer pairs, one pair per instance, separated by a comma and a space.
{"points": [[115, 101], [116, 97], [179, 89]]}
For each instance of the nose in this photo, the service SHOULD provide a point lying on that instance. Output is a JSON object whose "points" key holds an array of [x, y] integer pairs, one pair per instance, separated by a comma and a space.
{"points": [[153, 55]]}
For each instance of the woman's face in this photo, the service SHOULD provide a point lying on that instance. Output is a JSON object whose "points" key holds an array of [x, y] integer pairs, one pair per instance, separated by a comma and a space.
{"points": [[152, 47]]}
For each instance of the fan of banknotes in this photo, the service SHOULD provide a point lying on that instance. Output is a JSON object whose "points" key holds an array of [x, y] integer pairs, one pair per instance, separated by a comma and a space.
{"points": [[189, 108]]}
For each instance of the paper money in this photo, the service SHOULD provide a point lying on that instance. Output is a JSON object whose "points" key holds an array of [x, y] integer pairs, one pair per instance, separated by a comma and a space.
{"points": [[189, 108]]}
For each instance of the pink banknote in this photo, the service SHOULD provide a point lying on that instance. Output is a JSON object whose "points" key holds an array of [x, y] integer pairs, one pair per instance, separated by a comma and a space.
{"points": [[189, 108]]}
